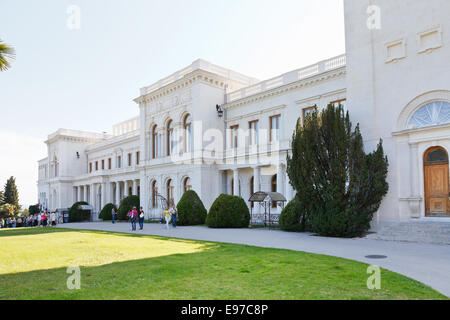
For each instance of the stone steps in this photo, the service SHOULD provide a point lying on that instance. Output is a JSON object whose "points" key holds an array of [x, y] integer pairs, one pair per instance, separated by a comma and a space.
{"points": [[419, 232]]}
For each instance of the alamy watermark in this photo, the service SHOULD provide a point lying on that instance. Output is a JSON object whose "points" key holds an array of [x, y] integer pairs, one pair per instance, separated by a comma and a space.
{"points": [[74, 280], [73, 21], [374, 19], [374, 280]]}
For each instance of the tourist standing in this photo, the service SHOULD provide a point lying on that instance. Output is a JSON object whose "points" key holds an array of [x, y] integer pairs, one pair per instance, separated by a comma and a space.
{"points": [[167, 216], [174, 214], [2, 223], [132, 215], [53, 219], [141, 218], [13, 222], [39, 219], [113, 215]]}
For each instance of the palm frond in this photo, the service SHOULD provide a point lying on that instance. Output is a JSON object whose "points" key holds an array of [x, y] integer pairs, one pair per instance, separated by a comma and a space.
{"points": [[7, 53]]}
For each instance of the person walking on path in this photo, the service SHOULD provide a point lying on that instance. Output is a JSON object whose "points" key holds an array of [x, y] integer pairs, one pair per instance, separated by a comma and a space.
{"points": [[113, 215], [141, 219], [167, 216], [53, 219], [174, 214], [132, 214]]}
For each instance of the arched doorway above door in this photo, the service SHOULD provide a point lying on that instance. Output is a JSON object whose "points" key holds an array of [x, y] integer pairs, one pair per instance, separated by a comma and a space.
{"points": [[436, 179]]}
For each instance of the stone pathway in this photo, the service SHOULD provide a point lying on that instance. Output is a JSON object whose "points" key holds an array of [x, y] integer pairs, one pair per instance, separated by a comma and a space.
{"points": [[420, 231], [427, 263]]}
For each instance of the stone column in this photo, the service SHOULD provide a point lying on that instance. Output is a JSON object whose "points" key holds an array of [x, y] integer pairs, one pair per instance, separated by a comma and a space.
{"points": [[117, 193], [78, 193], [414, 202], [280, 174], [236, 182], [103, 198], [256, 179], [92, 195], [135, 185], [85, 194]]}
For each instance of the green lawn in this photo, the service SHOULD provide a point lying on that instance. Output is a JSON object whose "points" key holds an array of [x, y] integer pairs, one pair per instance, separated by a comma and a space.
{"points": [[33, 265]]}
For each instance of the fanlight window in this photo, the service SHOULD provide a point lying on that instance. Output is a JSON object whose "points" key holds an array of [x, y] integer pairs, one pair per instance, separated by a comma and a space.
{"points": [[431, 114], [437, 155]]}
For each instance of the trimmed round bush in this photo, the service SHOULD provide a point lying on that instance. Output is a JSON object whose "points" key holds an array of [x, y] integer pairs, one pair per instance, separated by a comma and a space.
{"points": [[106, 214], [78, 215], [191, 211], [293, 217], [228, 212], [126, 205]]}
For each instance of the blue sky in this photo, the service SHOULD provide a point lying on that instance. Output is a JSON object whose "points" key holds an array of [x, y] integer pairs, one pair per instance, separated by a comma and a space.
{"points": [[86, 79]]}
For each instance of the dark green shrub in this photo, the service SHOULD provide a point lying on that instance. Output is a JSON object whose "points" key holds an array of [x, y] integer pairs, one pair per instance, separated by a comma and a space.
{"points": [[33, 209], [293, 217], [338, 184], [106, 213], [228, 212], [126, 205], [191, 211], [78, 215]]}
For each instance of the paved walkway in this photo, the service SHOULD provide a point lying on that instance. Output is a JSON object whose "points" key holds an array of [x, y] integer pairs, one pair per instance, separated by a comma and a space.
{"points": [[427, 263]]}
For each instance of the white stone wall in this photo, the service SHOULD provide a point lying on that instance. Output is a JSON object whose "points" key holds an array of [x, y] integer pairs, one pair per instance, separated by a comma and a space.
{"points": [[386, 70]]}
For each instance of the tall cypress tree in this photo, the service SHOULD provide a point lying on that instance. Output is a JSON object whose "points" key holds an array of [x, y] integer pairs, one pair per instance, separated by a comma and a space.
{"points": [[338, 185], [11, 193], [2, 198]]}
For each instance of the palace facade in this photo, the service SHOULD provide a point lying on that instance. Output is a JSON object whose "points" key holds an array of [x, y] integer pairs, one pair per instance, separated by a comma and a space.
{"points": [[214, 130]]}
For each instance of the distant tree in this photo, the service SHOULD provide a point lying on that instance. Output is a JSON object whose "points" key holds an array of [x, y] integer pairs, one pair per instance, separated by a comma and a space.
{"points": [[34, 209], [11, 193], [2, 198], [7, 53], [8, 209]]}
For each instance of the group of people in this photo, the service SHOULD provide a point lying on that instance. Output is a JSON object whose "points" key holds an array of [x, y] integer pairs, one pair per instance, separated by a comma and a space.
{"points": [[34, 220], [170, 213], [134, 216]]}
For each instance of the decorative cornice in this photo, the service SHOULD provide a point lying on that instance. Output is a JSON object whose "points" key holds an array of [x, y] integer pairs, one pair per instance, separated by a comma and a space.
{"points": [[336, 73], [188, 80]]}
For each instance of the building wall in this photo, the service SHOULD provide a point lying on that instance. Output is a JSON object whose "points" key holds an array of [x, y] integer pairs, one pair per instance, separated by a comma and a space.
{"points": [[387, 68]]}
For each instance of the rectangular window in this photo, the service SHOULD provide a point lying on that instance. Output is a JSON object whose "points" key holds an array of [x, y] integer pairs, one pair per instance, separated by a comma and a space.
{"points": [[103, 164], [119, 161], [129, 159], [342, 102], [307, 111], [96, 165], [109, 163], [275, 128], [254, 132], [90, 167], [137, 157], [234, 136]]}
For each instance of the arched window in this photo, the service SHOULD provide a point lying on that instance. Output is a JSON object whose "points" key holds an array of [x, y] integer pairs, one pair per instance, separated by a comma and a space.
{"points": [[169, 193], [155, 142], [436, 155], [187, 184], [431, 114], [187, 133], [154, 194], [274, 188], [169, 135]]}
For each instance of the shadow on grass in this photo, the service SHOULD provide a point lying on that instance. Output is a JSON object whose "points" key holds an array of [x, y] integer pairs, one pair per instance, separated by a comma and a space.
{"points": [[11, 232]]}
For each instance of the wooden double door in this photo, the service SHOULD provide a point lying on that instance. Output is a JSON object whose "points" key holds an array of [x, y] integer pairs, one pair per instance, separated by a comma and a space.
{"points": [[436, 170]]}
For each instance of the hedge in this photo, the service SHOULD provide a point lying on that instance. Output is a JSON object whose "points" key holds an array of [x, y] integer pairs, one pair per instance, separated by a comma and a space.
{"points": [[106, 213], [78, 215], [293, 217], [191, 211], [228, 211], [126, 205]]}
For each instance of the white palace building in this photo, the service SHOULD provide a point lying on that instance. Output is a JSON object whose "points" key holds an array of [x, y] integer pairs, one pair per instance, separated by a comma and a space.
{"points": [[216, 131]]}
